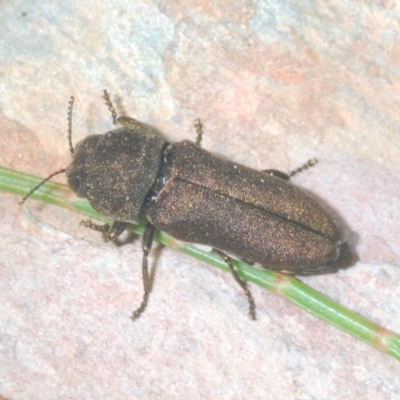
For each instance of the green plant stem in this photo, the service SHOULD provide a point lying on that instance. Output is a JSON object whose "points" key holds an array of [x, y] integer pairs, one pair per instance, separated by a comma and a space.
{"points": [[283, 284]]}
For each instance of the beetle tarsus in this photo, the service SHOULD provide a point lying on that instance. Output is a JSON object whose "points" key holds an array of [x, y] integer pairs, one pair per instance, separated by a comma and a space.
{"points": [[108, 232], [110, 106], [199, 130], [307, 165], [137, 313]]}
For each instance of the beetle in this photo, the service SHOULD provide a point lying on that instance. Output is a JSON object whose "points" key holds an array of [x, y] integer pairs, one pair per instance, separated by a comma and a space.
{"points": [[195, 196]]}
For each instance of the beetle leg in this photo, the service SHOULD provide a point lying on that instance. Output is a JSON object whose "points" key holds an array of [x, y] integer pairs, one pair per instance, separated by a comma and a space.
{"points": [[124, 121], [199, 130], [241, 282], [108, 232], [308, 164], [110, 106], [147, 241], [286, 177]]}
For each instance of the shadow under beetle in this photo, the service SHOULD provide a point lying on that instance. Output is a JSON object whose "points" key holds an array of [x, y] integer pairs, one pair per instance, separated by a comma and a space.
{"points": [[197, 197]]}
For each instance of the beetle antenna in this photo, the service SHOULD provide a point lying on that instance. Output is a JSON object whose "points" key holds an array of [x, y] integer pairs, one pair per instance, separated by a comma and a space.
{"points": [[110, 106], [71, 103], [71, 149], [26, 197]]}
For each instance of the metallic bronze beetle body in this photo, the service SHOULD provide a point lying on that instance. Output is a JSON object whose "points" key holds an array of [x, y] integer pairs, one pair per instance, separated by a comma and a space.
{"points": [[197, 197]]}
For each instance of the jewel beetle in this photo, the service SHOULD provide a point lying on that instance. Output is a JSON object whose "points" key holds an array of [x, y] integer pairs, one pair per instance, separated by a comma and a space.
{"points": [[197, 197]]}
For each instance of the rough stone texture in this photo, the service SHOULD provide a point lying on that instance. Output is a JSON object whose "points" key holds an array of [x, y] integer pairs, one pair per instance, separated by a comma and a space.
{"points": [[275, 83]]}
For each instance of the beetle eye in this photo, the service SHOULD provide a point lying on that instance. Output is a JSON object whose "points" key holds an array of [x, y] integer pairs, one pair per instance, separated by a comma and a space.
{"points": [[74, 183]]}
